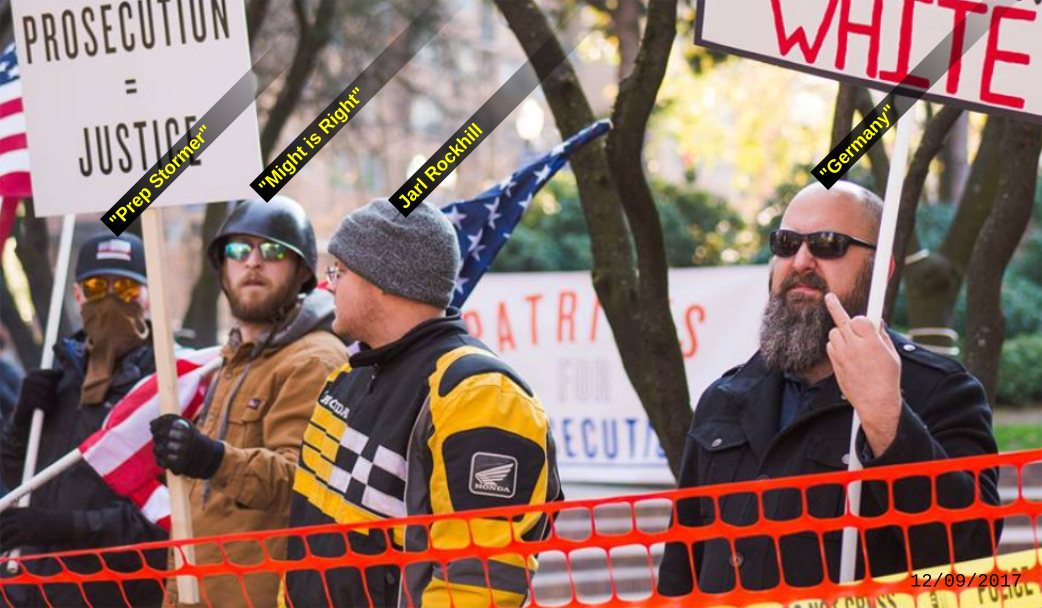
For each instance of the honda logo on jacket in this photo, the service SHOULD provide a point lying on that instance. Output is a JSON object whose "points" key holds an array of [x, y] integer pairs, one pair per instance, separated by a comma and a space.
{"points": [[493, 475]]}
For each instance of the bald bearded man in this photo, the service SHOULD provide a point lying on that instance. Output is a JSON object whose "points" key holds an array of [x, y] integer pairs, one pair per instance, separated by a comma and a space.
{"points": [[788, 411]]}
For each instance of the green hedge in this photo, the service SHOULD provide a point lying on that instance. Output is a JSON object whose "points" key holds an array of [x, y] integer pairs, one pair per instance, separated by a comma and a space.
{"points": [[1020, 370]]}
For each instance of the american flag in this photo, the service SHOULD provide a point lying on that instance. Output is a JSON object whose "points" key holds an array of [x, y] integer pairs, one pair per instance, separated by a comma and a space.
{"points": [[14, 153], [484, 224], [121, 450]]}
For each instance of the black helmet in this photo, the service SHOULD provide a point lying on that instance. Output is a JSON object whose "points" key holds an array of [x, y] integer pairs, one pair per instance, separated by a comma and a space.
{"points": [[281, 220]]}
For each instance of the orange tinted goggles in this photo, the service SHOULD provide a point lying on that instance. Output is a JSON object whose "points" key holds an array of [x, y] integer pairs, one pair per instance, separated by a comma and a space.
{"points": [[125, 289]]}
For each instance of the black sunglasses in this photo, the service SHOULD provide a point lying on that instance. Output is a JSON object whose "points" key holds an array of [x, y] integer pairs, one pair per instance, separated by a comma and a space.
{"points": [[823, 245]]}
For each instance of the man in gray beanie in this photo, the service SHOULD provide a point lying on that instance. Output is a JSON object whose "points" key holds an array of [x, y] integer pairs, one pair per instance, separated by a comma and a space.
{"points": [[415, 257], [425, 419]]}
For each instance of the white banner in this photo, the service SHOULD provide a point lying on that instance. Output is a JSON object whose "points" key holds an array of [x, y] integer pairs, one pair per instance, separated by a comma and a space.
{"points": [[109, 86], [876, 43], [551, 329]]}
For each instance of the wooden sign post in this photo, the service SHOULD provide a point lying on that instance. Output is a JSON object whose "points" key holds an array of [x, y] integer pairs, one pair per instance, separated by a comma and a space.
{"points": [[166, 378]]}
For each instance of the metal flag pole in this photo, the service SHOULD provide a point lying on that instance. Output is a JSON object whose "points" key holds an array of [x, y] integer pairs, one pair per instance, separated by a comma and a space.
{"points": [[74, 457], [61, 274], [876, 300]]}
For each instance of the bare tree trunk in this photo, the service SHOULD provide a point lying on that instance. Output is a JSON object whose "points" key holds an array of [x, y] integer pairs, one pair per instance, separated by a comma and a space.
{"points": [[662, 373], [32, 247], [22, 335], [905, 239], [843, 116], [32, 244], [25, 344], [200, 319], [851, 99], [877, 158], [955, 162], [978, 198], [625, 21], [994, 247], [616, 199], [6, 23], [933, 283]]}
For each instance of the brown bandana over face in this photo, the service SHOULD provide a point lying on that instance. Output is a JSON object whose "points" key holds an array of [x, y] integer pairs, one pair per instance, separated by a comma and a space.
{"points": [[114, 328]]}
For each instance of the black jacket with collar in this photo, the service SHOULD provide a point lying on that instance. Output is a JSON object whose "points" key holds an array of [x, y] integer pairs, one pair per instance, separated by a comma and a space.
{"points": [[102, 518], [734, 437]]}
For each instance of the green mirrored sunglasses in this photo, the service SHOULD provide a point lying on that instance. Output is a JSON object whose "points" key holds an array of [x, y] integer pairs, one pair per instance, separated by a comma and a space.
{"points": [[270, 252]]}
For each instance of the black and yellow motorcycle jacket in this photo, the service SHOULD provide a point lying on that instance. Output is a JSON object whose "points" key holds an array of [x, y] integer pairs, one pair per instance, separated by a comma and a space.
{"points": [[433, 423]]}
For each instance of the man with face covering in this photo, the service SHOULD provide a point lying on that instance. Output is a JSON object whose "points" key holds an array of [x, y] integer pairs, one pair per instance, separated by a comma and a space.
{"points": [[242, 450], [93, 370], [788, 411]]}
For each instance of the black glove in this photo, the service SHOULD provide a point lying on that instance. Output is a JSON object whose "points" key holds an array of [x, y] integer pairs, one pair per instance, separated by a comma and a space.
{"points": [[23, 526], [180, 447], [39, 391]]}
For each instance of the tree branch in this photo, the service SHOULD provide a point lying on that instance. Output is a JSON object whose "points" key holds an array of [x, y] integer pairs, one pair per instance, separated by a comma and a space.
{"points": [[256, 15], [301, 13], [637, 92], [604, 6], [636, 100], [601, 5], [612, 249], [309, 47]]}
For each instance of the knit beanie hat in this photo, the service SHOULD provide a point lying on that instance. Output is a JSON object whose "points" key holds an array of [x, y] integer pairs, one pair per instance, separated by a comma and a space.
{"points": [[416, 257]]}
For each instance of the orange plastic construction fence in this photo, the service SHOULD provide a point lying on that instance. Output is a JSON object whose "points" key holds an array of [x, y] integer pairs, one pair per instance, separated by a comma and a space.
{"points": [[606, 552]]}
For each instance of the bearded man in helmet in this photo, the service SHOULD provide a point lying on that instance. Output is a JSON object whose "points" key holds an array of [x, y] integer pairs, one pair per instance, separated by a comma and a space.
{"points": [[241, 452]]}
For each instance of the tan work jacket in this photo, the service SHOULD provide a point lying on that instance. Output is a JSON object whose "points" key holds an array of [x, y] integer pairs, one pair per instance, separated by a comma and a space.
{"points": [[260, 406]]}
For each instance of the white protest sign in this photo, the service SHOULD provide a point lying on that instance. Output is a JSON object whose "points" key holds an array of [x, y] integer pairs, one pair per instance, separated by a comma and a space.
{"points": [[550, 328], [109, 86], [876, 43]]}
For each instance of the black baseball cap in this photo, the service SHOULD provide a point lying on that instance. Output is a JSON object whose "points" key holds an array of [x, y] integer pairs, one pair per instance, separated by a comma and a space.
{"points": [[106, 254]]}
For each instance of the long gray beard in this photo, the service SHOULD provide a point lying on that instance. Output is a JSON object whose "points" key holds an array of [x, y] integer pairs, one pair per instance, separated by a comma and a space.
{"points": [[795, 339]]}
